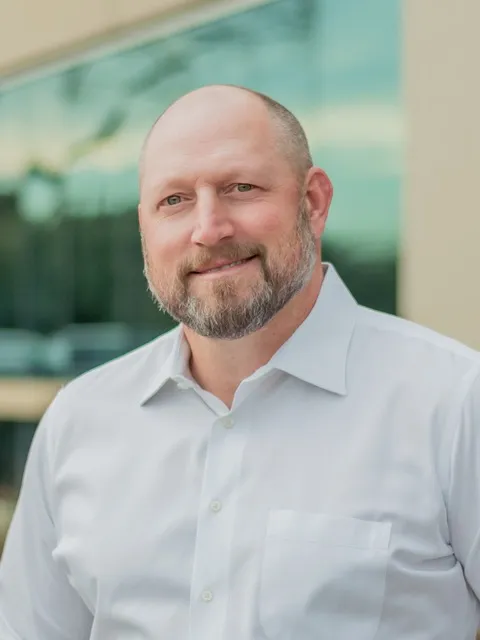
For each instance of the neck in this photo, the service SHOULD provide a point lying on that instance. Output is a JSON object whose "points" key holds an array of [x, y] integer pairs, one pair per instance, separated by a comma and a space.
{"points": [[219, 366]]}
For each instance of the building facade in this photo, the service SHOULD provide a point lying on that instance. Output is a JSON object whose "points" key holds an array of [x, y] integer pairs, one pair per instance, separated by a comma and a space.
{"points": [[386, 92]]}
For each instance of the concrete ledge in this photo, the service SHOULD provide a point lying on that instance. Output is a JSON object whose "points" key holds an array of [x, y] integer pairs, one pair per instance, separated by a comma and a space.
{"points": [[26, 399], [34, 34]]}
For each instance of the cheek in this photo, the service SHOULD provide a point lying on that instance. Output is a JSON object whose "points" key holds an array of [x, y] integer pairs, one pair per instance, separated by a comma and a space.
{"points": [[280, 232], [283, 245], [266, 226], [164, 248]]}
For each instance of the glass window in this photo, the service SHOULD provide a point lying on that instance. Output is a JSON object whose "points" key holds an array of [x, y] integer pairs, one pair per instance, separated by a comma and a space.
{"points": [[72, 292]]}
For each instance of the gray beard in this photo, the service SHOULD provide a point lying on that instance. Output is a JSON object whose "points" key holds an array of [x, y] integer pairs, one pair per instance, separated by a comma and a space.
{"points": [[232, 319]]}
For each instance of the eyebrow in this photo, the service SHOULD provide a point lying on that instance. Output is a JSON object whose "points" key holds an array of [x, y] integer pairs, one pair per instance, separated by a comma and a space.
{"points": [[177, 181]]}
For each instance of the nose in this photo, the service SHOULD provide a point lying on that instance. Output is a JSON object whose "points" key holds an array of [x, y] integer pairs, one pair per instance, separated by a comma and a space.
{"points": [[212, 221]]}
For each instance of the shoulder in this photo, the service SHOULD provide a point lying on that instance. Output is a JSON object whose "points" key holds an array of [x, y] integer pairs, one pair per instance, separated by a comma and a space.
{"points": [[429, 383], [123, 378], [418, 367], [395, 336]]}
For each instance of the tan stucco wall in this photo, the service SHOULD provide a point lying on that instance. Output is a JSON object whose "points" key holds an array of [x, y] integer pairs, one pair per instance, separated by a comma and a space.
{"points": [[33, 32], [441, 226]]}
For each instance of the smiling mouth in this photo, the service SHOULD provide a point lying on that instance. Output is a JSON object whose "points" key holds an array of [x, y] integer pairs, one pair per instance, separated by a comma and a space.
{"points": [[224, 267]]}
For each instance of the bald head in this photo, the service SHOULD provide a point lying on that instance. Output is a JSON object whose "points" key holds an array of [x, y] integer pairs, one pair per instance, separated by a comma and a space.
{"points": [[240, 106]]}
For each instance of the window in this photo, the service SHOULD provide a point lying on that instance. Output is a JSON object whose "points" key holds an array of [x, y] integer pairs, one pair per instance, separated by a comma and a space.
{"points": [[72, 292]]}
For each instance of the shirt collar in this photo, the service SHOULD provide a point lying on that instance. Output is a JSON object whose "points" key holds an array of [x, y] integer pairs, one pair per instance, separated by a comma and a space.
{"points": [[167, 363], [316, 352]]}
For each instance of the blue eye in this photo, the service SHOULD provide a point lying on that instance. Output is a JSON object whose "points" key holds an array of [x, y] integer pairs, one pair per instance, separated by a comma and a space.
{"points": [[173, 200]]}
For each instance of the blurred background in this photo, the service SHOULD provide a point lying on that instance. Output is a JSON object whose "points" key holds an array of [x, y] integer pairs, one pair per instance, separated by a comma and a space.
{"points": [[385, 89]]}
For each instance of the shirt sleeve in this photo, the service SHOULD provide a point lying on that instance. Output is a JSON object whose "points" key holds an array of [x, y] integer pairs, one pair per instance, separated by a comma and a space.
{"points": [[463, 501], [37, 601]]}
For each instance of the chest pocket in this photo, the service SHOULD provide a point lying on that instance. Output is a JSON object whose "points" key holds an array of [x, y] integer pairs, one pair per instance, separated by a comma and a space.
{"points": [[322, 577]]}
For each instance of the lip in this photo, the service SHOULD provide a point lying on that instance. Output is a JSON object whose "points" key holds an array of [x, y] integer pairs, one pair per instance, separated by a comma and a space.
{"points": [[206, 273]]}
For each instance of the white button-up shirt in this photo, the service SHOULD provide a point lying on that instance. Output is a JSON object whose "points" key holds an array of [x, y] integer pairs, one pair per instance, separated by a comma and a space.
{"points": [[338, 499]]}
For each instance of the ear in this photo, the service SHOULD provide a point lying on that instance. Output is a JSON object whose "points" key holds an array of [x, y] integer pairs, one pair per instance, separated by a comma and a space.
{"points": [[318, 196]]}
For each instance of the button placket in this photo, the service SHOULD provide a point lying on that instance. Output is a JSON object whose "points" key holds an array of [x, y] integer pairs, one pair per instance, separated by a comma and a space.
{"points": [[216, 528]]}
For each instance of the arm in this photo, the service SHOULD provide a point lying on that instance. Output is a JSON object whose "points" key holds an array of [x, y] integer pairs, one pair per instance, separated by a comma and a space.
{"points": [[463, 501], [36, 599]]}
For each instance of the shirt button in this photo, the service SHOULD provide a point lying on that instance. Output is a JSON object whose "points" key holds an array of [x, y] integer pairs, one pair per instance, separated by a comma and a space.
{"points": [[207, 596], [216, 506], [183, 386], [228, 422]]}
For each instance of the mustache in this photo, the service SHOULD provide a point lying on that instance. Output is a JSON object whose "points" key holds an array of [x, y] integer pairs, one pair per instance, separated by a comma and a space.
{"points": [[232, 253]]}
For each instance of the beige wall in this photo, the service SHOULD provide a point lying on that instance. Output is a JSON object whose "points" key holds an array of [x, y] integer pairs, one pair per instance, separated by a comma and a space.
{"points": [[441, 226], [33, 32]]}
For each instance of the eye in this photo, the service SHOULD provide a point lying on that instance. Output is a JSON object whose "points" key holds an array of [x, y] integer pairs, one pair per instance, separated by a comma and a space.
{"points": [[171, 201], [243, 187]]}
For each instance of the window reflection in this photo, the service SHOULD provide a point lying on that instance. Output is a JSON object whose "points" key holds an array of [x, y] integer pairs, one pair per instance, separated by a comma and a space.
{"points": [[72, 292]]}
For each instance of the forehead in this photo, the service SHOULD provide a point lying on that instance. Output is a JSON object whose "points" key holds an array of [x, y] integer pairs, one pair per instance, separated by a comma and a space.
{"points": [[212, 140], [210, 161]]}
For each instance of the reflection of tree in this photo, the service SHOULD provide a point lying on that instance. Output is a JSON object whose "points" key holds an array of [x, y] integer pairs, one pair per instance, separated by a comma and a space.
{"points": [[69, 272], [156, 63], [72, 83], [158, 67], [293, 20], [307, 10], [10, 246], [174, 57], [111, 124]]}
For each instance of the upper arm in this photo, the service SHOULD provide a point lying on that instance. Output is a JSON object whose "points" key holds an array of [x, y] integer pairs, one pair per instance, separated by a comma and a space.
{"points": [[36, 598], [463, 501]]}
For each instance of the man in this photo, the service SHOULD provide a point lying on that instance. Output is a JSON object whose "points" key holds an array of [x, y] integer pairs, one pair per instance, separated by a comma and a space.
{"points": [[284, 465]]}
